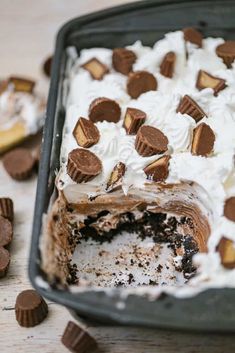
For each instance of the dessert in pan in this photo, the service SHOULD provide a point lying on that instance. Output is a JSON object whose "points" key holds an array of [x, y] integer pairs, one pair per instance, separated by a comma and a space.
{"points": [[146, 187], [21, 111]]}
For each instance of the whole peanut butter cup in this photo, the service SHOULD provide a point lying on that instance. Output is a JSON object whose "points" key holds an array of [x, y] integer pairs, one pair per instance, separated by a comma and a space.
{"points": [[168, 64], [133, 120], [205, 80], [140, 82], [78, 340], [193, 36], [30, 308], [115, 179], [158, 171], [226, 249], [19, 163], [203, 140], [229, 208], [123, 60], [6, 208], [150, 141], [83, 165], [21, 84], [96, 68], [188, 106], [6, 231], [226, 51], [4, 261], [86, 133], [104, 109]]}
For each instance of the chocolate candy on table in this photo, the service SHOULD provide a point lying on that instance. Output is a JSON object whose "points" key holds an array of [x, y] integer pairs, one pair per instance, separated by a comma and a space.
{"points": [[6, 231], [83, 165], [103, 108], [86, 133], [4, 261], [21, 84], [30, 308], [133, 119], [123, 60], [158, 170], [229, 208], [168, 64], [96, 68], [193, 36], [47, 66], [140, 82], [19, 163], [150, 141], [203, 140], [226, 249], [6, 208], [115, 179], [188, 106], [78, 340], [226, 51], [205, 80]]}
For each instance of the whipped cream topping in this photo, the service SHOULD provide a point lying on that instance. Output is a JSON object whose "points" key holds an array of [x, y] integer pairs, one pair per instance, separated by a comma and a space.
{"points": [[215, 175]]}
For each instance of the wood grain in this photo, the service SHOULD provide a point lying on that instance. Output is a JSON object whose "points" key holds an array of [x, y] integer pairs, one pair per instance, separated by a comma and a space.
{"points": [[27, 32]]}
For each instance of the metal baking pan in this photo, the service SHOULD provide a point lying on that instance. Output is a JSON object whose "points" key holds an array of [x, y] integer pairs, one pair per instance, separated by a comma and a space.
{"points": [[211, 310]]}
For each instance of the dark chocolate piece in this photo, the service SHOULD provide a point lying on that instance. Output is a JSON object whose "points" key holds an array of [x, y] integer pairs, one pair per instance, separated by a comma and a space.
{"points": [[115, 179], [86, 133], [6, 208], [4, 261], [104, 109], [30, 308], [158, 171], [168, 64], [205, 80], [83, 165], [140, 82], [150, 141], [226, 51], [133, 119], [226, 249], [19, 163], [21, 84], [229, 208], [123, 60], [96, 68], [188, 106], [193, 36], [77, 340], [6, 231], [203, 140], [47, 66]]}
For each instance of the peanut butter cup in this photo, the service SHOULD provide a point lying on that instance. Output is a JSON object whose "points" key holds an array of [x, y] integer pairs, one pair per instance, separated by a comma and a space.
{"points": [[205, 80], [115, 179], [226, 51], [226, 249], [19, 163], [188, 106], [77, 340], [6, 231], [229, 208], [123, 60], [21, 84], [47, 66], [193, 36], [150, 141], [104, 109], [86, 133], [133, 119], [4, 261], [203, 140], [30, 308], [158, 171], [168, 64], [140, 82], [83, 165], [6, 208], [96, 68]]}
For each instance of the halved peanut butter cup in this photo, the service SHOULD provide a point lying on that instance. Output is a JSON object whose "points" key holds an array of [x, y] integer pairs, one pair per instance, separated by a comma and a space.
{"points": [[115, 179], [188, 106], [21, 84], [6, 208], [86, 133], [193, 36], [205, 80], [226, 249], [123, 60], [226, 51], [158, 170], [104, 109], [96, 68], [140, 82], [203, 140], [168, 64], [150, 141], [133, 119], [229, 208]]}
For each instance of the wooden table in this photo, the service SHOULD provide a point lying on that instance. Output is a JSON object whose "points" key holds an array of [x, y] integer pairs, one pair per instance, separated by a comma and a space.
{"points": [[27, 32]]}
